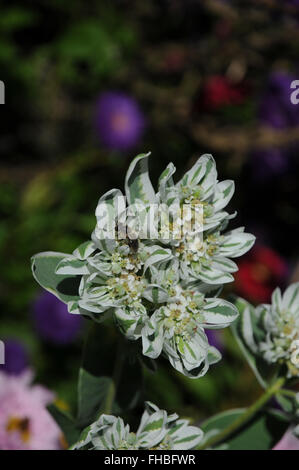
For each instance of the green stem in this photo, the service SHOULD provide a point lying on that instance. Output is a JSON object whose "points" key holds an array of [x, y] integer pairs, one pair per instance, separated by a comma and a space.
{"points": [[118, 367], [245, 417]]}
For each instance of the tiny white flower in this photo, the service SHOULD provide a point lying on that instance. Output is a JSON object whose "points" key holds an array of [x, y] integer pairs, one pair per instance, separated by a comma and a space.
{"points": [[272, 331]]}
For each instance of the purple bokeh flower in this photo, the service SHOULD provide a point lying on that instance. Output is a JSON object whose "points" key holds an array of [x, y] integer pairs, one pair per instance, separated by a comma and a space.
{"points": [[270, 162], [52, 320], [25, 424], [276, 111], [215, 338], [119, 120], [293, 2], [16, 357]]}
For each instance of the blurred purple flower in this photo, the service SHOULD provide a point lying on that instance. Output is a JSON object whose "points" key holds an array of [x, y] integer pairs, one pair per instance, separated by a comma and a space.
{"points": [[52, 320], [25, 423], [215, 338], [16, 357], [276, 109], [270, 162], [119, 120]]}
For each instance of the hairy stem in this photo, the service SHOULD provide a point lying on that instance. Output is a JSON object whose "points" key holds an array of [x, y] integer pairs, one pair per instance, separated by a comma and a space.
{"points": [[245, 417]]}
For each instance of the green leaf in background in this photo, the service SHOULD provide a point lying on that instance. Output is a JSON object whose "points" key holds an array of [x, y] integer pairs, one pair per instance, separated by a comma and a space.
{"points": [[93, 392], [261, 433], [94, 42], [288, 401], [44, 265], [66, 424], [16, 18], [110, 378]]}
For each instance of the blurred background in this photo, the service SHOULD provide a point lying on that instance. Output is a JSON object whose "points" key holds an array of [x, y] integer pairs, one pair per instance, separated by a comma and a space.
{"points": [[89, 85]]}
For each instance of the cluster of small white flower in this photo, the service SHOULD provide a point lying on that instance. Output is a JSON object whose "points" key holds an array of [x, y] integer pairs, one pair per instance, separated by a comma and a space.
{"points": [[158, 289], [271, 331]]}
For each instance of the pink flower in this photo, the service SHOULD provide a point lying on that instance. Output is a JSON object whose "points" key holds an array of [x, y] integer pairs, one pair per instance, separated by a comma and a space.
{"points": [[288, 442], [25, 424]]}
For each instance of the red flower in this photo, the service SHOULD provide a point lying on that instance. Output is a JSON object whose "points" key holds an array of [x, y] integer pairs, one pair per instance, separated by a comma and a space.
{"points": [[259, 274], [218, 91]]}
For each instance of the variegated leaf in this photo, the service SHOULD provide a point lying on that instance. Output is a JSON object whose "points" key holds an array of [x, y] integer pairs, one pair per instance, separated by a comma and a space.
{"points": [[200, 172], [137, 183], [84, 250], [166, 181], [290, 299], [155, 294], [236, 243], [157, 254], [183, 436], [72, 266], [223, 193], [219, 313], [44, 265], [153, 430]]}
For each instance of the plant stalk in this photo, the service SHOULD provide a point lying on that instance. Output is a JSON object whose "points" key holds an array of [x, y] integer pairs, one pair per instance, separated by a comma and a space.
{"points": [[248, 414], [118, 367]]}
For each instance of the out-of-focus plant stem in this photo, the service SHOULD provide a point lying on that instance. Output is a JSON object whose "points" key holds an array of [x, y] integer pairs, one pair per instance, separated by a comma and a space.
{"points": [[248, 414], [118, 367]]}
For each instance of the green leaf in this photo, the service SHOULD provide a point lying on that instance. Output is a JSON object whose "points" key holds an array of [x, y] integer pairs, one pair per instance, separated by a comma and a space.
{"points": [[236, 243], [44, 265], [84, 250], [138, 185], [157, 255], [156, 294], [92, 393], [72, 266], [66, 423], [202, 170], [166, 181], [110, 372], [287, 402], [261, 433], [223, 194], [219, 312]]}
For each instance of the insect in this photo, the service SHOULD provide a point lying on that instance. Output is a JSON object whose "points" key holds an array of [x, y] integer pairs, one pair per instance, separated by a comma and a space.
{"points": [[133, 244]]}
